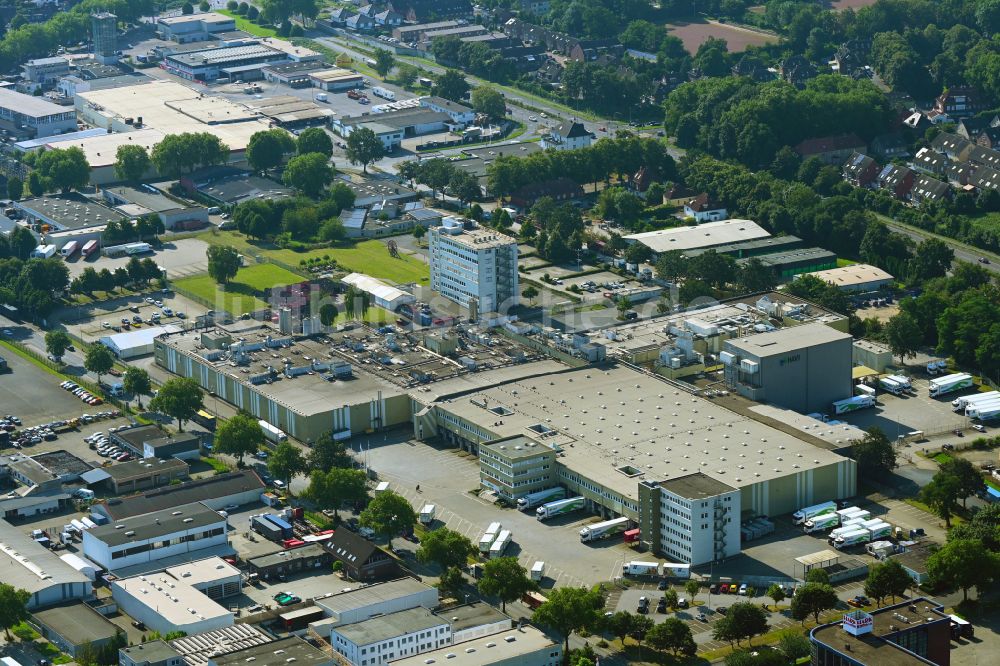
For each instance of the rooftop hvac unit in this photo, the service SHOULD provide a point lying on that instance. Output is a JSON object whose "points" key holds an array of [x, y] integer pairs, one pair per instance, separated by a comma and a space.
{"points": [[749, 366], [727, 358]]}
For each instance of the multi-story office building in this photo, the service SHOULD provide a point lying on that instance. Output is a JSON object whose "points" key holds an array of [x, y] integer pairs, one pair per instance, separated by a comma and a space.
{"points": [[33, 117], [696, 517], [381, 639], [45, 70], [469, 263], [104, 30], [515, 467]]}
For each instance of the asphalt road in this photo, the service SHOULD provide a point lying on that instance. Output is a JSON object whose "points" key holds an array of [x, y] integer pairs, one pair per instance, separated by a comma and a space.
{"points": [[962, 252]]}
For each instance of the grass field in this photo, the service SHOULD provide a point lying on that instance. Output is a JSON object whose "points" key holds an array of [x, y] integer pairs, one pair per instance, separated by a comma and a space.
{"points": [[987, 221], [249, 26], [370, 257], [240, 295], [695, 33]]}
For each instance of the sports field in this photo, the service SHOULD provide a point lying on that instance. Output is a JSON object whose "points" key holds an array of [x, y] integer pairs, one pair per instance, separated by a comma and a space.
{"points": [[695, 33], [241, 294]]}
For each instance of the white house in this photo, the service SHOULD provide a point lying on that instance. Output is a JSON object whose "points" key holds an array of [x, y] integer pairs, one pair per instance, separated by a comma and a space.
{"points": [[568, 136], [703, 209]]}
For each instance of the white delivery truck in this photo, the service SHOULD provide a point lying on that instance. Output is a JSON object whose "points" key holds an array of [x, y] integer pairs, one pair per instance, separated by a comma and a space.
{"points": [[902, 381], [322, 97], [855, 516], [489, 536], [559, 507], [822, 522], [500, 545], [384, 93], [853, 404], [272, 433], [941, 385], [531, 500], [852, 538], [805, 513], [983, 410], [936, 367], [537, 571], [880, 549], [427, 514], [890, 385], [604, 530], [675, 570], [641, 569], [381, 487], [961, 403], [843, 513], [69, 249], [880, 531], [43, 252]]}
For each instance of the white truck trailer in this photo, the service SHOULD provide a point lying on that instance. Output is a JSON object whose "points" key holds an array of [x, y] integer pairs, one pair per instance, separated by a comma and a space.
{"points": [[822, 522], [880, 549], [983, 410], [272, 433], [69, 249], [856, 516], [890, 385], [853, 404], [384, 93], [805, 513], [843, 513], [427, 514], [852, 538], [489, 536], [43, 252], [902, 381], [949, 383], [676, 570], [604, 530], [641, 568], [537, 571], [531, 500], [960, 403], [559, 507], [500, 545]]}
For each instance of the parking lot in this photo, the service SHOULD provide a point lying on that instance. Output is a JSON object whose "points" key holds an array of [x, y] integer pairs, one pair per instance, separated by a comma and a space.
{"points": [[446, 477], [34, 395], [899, 415], [179, 258]]}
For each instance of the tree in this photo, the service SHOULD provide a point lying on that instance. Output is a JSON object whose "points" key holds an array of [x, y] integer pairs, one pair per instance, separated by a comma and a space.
{"points": [[356, 302], [286, 461], [569, 609], [308, 173], [623, 304], [406, 75], [328, 453], [451, 582], [744, 620], [970, 481], [98, 360], [314, 140], [641, 625], [15, 188], [389, 514], [464, 187], [384, 62], [818, 575], [419, 231], [933, 258], [873, 452], [504, 577], [671, 265], [187, 9], [64, 169], [531, 293], [674, 636], [755, 275], [941, 495], [446, 548], [181, 398], [327, 314], [131, 162], [238, 436], [963, 563], [330, 489], [887, 579], [619, 624], [812, 599], [490, 102], [223, 263], [691, 587], [204, 5], [670, 597], [56, 343], [36, 185], [176, 154], [450, 85], [13, 607], [266, 149], [364, 147], [777, 594], [903, 335], [136, 382]]}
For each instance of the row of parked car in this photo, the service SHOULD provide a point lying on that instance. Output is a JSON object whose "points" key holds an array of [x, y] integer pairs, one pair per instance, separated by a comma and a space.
{"points": [[28, 436], [82, 393], [102, 444]]}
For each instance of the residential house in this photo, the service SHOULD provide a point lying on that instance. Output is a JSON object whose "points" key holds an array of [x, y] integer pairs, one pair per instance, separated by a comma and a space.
{"points": [[529, 33], [590, 50], [896, 179], [796, 70], [927, 189], [971, 128], [989, 138], [340, 15], [536, 7], [568, 136], [423, 11], [703, 209], [984, 156], [916, 121], [753, 68], [985, 178], [860, 170], [550, 72], [889, 146], [960, 174], [953, 146], [360, 23], [370, 10], [832, 150], [559, 189], [958, 102], [388, 18], [929, 161], [850, 57], [362, 560]]}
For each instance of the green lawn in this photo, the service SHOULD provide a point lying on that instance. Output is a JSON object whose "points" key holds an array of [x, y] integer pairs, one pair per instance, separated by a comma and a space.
{"points": [[249, 26], [370, 257], [240, 295]]}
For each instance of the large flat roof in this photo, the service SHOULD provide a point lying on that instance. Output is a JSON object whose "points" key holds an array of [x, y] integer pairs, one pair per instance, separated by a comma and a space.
{"points": [[101, 149], [151, 525], [29, 105], [197, 649], [384, 627], [196, 490], [78, 623], [343, 602], [477, 238], [279, 653], [70, 211], [603, 418], [176, 602], [472, 615], [30, 566], [286, 556], [504, 647], [696, 486], [709, 234], [785, 340], [208, 570], [223, 54], [855, 274]]}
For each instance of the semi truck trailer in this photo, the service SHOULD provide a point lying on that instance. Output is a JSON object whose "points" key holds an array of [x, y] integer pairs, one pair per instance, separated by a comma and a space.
{"points": [[532, 500], [949, 383], [537, 571], [964, 401], [641, 569], [853, 404], [69, 249], [824, 521], [89, 248], [804, 514], [852, 538], [427, 514], [559, 507], [489, 536], [272, 433], [604, 530], [984, 411], [500, 545]]}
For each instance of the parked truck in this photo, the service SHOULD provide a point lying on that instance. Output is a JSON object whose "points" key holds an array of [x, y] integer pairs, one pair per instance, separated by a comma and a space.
{"points": [[676, 570], [532, 500], [855, 516], [384, 93], [853, 404], [936, 367], [822, 522], [890, 385], [43, 252], [603, 530], [902, 381], [843, 513], [852, 538], [559, 507], [641, 569], [286, 529], [137, 248], [961, 403], [500, 545], [264, 527], [949, 383], [489, 536], [537, 571], [88, 248], [69, 249], [880, 549], [427, 514], [272, 433], [805, 513], [984, 411]]}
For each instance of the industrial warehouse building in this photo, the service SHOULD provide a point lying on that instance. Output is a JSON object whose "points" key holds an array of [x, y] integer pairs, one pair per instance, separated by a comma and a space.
{"points": [[805, 368], [860, 278], [212, 576], [215, 492], [28, 565], [383, 295], [165, 604], [605, 433], [527, 646], [74, 626], [703, 236], [26, 116], [132, 344]]}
